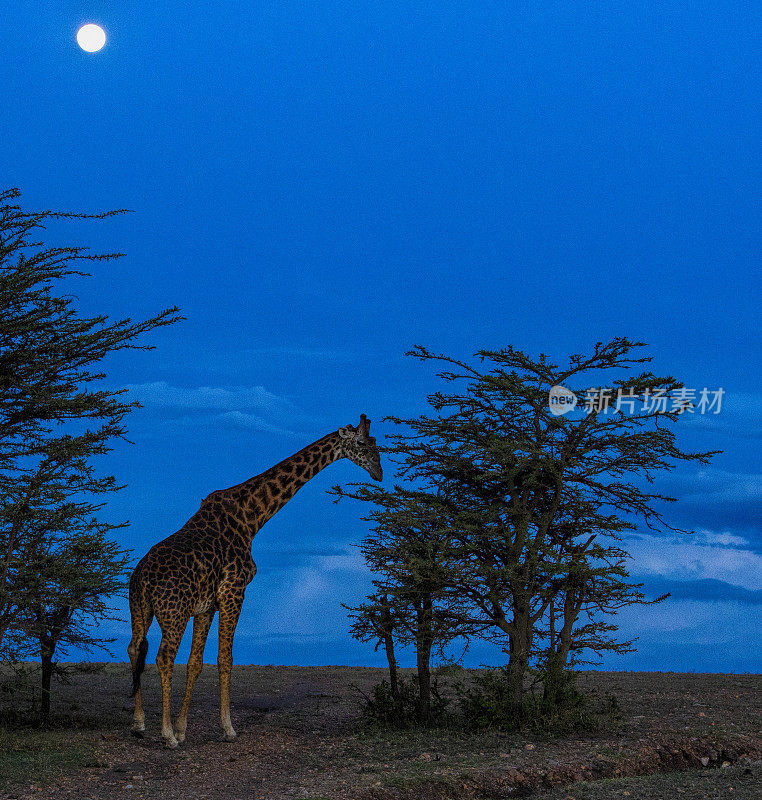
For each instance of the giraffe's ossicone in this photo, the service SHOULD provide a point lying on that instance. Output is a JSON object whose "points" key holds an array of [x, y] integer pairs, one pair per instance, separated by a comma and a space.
{"points": [[206, 566]]}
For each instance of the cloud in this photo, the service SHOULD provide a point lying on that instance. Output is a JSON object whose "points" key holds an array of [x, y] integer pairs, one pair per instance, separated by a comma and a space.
{"points": [[689, 635], [351, 561], [704, 557], [328, 552], [294, 558], [714, 486], [739, 416], [307, 601], [681, 619], [252, 422], [309, 585], [719, 486], [725, 538], [706, 590], [242, 407], [290, 637], [160, 394], [715, 497]]}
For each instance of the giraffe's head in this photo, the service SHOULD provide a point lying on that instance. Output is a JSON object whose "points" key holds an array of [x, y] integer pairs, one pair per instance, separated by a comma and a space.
{"points": [[359, 446]]}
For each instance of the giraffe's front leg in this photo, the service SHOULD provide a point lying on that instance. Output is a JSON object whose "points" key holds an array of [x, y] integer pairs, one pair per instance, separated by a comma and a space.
{"points": [[201, 625], [230, 602]]}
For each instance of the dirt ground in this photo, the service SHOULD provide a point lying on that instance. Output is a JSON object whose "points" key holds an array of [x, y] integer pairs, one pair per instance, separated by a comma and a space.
{"points": [[686, 736]]}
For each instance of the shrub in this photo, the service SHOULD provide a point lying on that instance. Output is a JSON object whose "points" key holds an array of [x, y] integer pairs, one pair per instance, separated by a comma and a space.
{"points": [[449, 669], [382, 708], [489, 703]]}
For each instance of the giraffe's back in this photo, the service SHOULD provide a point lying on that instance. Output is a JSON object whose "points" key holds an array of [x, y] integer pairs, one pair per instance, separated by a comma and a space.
{"points": [[182, 574]]}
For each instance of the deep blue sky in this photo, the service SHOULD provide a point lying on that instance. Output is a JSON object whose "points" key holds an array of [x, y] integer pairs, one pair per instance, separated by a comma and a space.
{"points": [[319, 186]]}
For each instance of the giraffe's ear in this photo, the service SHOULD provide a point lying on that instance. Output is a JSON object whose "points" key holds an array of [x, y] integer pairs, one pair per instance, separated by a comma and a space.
{"points": [[364, 426]]}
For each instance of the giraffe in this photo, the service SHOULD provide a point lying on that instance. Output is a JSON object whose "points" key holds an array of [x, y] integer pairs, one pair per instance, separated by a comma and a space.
{"points": [[206, 566]]}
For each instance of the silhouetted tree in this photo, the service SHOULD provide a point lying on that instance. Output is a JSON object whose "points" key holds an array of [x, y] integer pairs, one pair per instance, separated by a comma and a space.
{"points": [[588, 583], [410, 553], [55, 416], [501, 474], [70, 590]]}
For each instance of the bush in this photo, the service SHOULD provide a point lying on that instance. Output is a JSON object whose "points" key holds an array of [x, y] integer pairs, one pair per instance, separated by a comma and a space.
{"points": [[381, 708], [489, 703], [485, 701], [449, 669]]}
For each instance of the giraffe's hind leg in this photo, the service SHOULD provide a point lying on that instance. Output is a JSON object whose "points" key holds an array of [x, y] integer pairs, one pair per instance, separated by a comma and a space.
{"points": [[142, 616], [201, 625], [138, 716], [172, 633]]}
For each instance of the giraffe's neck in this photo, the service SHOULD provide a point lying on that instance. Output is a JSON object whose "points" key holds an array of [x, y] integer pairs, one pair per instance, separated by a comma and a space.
{"points": [[264, 495]]}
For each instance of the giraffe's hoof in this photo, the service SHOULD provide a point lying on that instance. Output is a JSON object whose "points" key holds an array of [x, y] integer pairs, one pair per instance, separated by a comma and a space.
{"points": [[138, 730], [171, 743], [230, 736], [180, 736]]}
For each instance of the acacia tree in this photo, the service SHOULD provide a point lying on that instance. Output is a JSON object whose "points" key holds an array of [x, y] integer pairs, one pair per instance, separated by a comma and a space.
{"points": [[374, 621], [55, 417], [410, 552], [77, 574], [501, 472], [588, 582]]}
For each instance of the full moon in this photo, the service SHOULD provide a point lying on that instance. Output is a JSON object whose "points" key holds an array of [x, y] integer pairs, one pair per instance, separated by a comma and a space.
{"points": [[91, 38]]}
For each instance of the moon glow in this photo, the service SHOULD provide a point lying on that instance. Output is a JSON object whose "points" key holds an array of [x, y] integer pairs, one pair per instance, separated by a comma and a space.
{"points": [[91, 38]]}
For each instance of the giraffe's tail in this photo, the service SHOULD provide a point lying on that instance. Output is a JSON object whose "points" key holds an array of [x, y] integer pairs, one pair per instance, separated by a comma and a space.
{"points": [[142, 614], [139, 666]]}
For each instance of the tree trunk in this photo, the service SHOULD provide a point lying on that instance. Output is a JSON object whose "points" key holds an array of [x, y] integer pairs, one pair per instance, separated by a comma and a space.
{"points": [[424, 638], [424, 685], [393, 682], [518, 658], [555, 690], [47, 646], [553, 680], [387, 628], [516, 670]]}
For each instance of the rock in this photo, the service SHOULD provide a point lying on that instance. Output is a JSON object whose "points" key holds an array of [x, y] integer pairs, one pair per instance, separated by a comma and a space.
{"points": [[705, 761], [517, 779]]}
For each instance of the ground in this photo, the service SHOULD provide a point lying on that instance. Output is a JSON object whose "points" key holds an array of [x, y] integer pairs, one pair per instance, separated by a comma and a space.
{"points": [[675, 735]]}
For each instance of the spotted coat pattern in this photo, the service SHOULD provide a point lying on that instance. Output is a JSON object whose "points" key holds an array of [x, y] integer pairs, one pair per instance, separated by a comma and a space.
{"points": [[206, 566]]}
